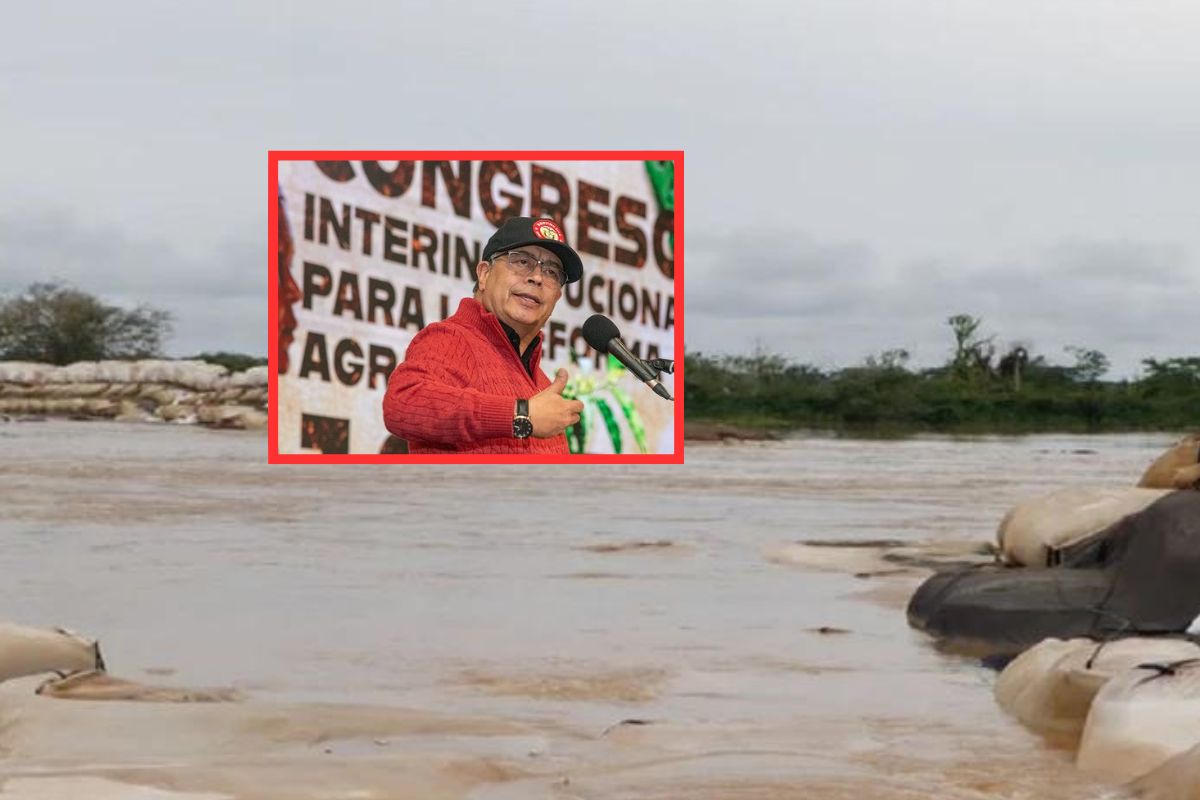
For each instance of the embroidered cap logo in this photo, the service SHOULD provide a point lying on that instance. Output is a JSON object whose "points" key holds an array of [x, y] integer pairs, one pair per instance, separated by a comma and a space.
{"points": [[546, 229]]}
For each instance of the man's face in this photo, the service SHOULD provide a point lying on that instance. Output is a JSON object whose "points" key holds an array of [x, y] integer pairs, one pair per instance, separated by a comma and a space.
{"points": [[523, 302]]}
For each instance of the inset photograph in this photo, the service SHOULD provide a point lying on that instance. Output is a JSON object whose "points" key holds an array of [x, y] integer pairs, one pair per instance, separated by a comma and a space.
{"points": [[480, 306]]}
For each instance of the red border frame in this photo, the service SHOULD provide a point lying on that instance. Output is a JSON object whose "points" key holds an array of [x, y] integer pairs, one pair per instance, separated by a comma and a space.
{"points": [[273, 159]]}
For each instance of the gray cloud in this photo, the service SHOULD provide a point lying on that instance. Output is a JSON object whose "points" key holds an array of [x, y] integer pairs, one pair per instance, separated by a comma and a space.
{"points": [[217, 298], [856, 171], [834, 304]]}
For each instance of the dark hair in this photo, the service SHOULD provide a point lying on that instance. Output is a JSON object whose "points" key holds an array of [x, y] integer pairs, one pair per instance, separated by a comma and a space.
{"points": [[489, 261]]}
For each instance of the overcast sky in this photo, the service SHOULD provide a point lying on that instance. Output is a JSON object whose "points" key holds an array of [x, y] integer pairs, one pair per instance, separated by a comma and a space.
{"points": [[857, 170]]}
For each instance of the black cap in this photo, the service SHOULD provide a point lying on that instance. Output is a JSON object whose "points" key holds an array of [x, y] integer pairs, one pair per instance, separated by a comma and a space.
{"points": [[521, 231]]}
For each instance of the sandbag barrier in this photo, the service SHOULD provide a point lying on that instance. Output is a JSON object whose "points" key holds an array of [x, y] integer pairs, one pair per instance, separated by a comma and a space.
{"points": [[1097, 595], [147, 390]]}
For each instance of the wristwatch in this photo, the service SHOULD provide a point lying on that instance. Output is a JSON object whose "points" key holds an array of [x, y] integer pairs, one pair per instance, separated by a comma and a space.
{"points": [[522, 424]]}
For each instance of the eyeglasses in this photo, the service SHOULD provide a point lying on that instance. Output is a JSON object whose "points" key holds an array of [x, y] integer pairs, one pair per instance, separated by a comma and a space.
{"points": [[523, 263]]}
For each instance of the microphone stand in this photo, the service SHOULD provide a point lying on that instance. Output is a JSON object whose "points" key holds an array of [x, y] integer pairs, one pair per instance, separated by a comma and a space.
{"points": [[660, 365], [657, 366]]}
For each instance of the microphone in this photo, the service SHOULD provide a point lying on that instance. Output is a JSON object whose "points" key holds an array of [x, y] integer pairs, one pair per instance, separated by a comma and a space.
{"points": [[602, 334]]}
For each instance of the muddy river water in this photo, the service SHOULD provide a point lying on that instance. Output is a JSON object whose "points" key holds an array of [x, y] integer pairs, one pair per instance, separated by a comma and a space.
{"points": [[512, 632]]}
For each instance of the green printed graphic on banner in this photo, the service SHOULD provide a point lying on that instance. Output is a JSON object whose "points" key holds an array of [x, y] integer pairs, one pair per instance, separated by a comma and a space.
{"points": [[662, 178]]}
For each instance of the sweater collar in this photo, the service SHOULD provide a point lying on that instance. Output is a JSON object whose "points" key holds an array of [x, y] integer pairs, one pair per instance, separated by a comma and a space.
{"points": [[474, 314]]}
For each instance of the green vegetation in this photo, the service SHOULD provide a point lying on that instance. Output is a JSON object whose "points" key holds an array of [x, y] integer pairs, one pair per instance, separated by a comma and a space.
{"points": [[54, 323], [234, 362], [974, 392]]}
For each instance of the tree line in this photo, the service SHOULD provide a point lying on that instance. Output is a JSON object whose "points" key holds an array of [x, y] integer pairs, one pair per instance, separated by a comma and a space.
{"points": [[55, 323], [981, 388]]}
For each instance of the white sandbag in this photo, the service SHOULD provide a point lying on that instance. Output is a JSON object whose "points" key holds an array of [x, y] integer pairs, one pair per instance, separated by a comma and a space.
{"points": [[201, 376], [253, 377], [255, 397], [197, 375], [22, 405], [1141, 718], [74, 390], [160, 395], [25, 372], [1178, 778], [117, 391], [1177, 468], [1028, 689], [91, 372], [229, 395], [1031, 529], [20, 390], [28, 651], [231, 416], [99, 407], [1050, 687], [79, 372], [177, 412], [131, 411], [70, 407], [115, 371]]}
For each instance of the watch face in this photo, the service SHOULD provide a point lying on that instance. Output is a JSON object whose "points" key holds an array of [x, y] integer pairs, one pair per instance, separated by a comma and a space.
{"points": [[522, 427]]}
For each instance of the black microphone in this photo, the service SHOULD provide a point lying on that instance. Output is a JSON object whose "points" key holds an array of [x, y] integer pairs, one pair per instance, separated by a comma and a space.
{"points": [[602, 334]]}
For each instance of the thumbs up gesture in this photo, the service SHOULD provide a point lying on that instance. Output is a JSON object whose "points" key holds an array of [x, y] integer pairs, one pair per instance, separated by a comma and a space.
{"points": [[550, 412]]}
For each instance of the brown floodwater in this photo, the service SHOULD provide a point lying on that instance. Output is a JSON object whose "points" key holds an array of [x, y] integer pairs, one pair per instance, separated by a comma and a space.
{"points": [[500, 632]]}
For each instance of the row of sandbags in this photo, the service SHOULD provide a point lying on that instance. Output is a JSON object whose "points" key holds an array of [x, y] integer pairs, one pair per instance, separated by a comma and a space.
{"points": [[1131, 707], [196, 375], [1034, 532], [185, 392], [194, 411], [1123, 561], [158, 394], [1096, 594]]}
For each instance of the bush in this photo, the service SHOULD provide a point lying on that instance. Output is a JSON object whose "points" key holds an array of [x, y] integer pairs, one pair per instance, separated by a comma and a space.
{"points": [[54, 323], [234, 362]]}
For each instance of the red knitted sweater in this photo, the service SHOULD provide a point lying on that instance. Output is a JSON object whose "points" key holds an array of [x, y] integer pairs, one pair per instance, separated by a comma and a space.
{"points": [[458, 384]]}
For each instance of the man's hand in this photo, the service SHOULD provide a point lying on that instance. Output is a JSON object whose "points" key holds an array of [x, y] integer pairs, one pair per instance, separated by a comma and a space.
{"points": [[549, 412]]}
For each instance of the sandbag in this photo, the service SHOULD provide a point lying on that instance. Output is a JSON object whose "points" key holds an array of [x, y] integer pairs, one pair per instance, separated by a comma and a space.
{"points": [[1177, 468], [115, 371], [197, 375], [72, 390], [101, 407], [22, 405], [25, 372], [1141, 718], [1050, 687], [116, 391], [254, 397], [177, 413], [19, 390], [79, 372], [228, 416], [1139, 576], [28, 651], [229, 395], [160, 395], [1177, 778], [1033, 531], [251, 378]]}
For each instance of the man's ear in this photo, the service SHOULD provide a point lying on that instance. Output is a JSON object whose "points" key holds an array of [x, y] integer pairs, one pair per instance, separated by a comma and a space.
{"points": [[481, 272]]}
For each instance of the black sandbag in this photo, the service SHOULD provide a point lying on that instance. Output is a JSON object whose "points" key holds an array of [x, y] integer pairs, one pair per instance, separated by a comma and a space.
{"points": [[1139, 576]]}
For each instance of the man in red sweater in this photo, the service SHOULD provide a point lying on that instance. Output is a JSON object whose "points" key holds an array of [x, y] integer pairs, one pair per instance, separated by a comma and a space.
{"points": [[473, 383]]}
